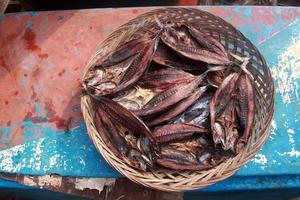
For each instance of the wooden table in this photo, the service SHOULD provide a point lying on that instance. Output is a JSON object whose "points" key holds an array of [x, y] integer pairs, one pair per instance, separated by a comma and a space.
{"points": [[43, 54]]}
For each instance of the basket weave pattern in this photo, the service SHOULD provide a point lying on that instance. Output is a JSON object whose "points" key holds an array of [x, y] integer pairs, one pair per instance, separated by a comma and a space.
{"points": [[235, 42]]}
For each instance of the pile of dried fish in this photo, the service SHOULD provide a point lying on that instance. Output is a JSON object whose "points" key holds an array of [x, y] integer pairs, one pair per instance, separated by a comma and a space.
{"points": [[177, 100]]}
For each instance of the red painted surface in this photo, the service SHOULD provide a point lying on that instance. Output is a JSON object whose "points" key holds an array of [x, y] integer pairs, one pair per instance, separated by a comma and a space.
{"points": [[42, 58], [187, 2], [29, 37], [41, 62]]}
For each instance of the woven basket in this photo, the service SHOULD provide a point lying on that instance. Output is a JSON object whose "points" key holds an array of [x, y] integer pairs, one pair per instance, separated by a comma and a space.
{"points": [[234, 41]]}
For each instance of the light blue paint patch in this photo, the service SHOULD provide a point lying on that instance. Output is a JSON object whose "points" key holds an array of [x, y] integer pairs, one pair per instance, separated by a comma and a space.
{"points": [[229, 17], [248, 32], [5, 135], [243, 12], [32, 130], [29, 68], [59, 18], [34, 13], [38, 107], [29, 25], [76, 109], [47, 17]]}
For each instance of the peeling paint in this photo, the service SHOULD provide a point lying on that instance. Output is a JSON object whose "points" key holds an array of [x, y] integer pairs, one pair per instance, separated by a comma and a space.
{"points": [[288, 71], [93, 183], [291, 132], [48, 180], [28, 180], [7, 156], [293, 152], [54, 159], [261, 160], [273, 128], [82, 161]]}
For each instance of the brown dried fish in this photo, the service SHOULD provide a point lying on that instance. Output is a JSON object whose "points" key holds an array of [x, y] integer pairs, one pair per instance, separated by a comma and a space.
{"points": [[180, 160], [198, 113], [245, 109], [112, 130], [207, 42], [188, 117], [122, 52], [195, 53], [183, 156], [136, 69], [106, 136], [138, 160], [178, 108], [174, 132], [165, 78], [167, 98], [167, 57], [226, 130], [216, 78], [220, 101], [124, 117]]}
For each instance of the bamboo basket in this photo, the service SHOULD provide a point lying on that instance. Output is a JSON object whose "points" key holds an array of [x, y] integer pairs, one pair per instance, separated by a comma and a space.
{"points": [[235, 42]]}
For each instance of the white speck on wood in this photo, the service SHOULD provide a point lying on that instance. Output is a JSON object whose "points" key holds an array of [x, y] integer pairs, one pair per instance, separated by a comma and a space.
{"points": [[82, 161], [38, 153], [12, 162], [65, 165], [288, 71], [273, 129], [6, 158], [35, 161], [93, 183], [260, 159], [293, 152], [291, 133], [53, 160]]}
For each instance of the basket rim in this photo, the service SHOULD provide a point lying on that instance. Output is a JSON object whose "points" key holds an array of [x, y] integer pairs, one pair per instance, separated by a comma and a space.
{"points": [[156, 180]]}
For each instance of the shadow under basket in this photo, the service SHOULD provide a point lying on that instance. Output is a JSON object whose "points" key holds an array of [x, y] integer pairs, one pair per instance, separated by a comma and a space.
{"points": [[235, 42]]}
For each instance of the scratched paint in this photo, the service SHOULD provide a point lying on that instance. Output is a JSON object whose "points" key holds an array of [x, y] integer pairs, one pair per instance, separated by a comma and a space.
{"points": [[288, 72], [282, 148], [66, 154], [273, 130], [41, 128], [257, 24]]}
